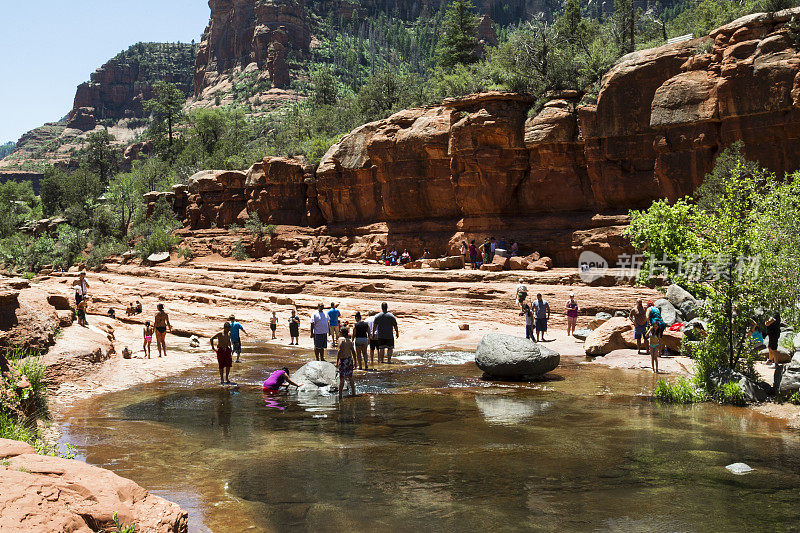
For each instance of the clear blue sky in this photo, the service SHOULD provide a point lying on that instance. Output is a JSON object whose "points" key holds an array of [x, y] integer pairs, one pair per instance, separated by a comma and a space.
{"points": [[49, 47]]}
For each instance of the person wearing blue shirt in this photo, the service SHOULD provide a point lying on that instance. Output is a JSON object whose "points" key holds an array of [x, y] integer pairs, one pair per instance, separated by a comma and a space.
{"points": [[236, 342], [333, 323]]}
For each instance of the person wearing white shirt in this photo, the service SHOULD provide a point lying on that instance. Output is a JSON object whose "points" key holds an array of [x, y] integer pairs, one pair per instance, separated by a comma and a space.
{"points": [[319, 332]]}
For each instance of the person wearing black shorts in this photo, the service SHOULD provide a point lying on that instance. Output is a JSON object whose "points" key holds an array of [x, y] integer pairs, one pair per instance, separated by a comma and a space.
{"points": [[294, 328], [384, 329]]}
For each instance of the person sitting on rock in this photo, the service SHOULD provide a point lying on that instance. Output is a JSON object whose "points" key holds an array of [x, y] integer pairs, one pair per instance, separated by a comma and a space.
{"points": [[130, 310], [138, 307], [112, 314], [405, 257], [426, 254]]}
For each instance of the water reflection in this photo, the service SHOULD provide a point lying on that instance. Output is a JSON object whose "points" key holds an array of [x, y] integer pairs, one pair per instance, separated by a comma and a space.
{"points": [[431, 446]]}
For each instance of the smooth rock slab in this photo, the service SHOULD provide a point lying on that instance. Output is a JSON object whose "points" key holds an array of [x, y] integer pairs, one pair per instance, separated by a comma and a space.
{"points": [[739, 468], [507, 357], [161, 257]]}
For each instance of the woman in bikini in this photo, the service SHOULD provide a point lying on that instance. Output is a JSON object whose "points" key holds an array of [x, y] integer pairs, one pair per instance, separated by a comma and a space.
{"points": [[161, 324], [148, 339], [572, 314], [224, 353]]}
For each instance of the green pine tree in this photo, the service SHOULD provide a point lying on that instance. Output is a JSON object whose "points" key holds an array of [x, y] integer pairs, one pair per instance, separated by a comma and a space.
{"points": [[459, 35]]}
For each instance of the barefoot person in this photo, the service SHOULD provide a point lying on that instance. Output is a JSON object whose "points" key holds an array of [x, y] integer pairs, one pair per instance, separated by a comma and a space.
{"points": [[638, 316], [236, 341], [333, 323], [148, 339], [655, 347], [572, 314], [161, 323], [361, 336], [528, 313], [345, 363], [383, 328], [541, 313], [278, 379], [373, 342], [294, 328], [273, 324], [319, 332], [224, 353]]}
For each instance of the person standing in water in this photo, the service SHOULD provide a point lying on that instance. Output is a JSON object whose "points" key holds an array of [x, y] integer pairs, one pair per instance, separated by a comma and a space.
{"points": [[361, 336], [278, 379], [319, 332], [333, 323], [655, 346], [572, 314], [345, 363], [161, 323], [236, 341], [148, 339], [224, 353], [383, 328], [273, 324], [294, 328]]}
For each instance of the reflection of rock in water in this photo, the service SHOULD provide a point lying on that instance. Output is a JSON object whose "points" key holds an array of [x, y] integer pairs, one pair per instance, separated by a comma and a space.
{"points": [[504, 410]]}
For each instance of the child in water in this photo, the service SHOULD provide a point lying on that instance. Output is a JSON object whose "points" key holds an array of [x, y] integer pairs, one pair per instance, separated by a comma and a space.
{"points": [[224, 353], [148, 338]]}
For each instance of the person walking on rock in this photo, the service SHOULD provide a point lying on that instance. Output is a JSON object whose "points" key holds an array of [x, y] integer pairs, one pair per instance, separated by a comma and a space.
{"points": [[541, 311], [236, 341], [384, 329], [528, 313], [638, 316], [148, 339], [361, 336], [161, 323], [294, 329], [333, 323], [345, 362], [273, 324], [572, 314], [319, 332], [81, 287], [522, 292], [224, 353]]}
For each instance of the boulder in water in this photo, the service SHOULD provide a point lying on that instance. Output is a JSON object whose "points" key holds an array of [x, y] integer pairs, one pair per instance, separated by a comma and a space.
{"points": [[739, 468], [507, 357], [316, 376]]}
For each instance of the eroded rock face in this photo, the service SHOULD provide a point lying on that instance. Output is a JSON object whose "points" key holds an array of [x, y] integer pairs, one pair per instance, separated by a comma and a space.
{"points": [[42, 493], [560, 181], [245, 32]]}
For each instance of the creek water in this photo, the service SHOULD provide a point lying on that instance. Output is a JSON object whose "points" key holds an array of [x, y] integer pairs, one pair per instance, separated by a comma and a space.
{"points": [[428, 445]]}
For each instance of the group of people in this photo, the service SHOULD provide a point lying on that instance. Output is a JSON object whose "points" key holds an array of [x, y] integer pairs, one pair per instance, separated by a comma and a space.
{"points": [[648, 330], [394, 258], [476, 255], [376, 333]]}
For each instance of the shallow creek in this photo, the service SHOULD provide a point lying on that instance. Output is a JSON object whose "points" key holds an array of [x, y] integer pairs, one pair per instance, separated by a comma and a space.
{"points": [[428, 445]]}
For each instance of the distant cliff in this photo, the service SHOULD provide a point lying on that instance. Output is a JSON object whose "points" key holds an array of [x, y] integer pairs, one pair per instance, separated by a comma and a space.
{"points": [[119, 88], [560, 180]]}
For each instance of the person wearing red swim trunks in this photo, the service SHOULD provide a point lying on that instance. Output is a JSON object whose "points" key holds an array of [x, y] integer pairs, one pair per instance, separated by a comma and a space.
{"points": [[224, 353]]}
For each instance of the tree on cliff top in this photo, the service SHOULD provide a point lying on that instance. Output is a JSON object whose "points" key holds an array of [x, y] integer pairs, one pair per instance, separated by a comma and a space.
{"points": [[166, 110], [459, 35]]}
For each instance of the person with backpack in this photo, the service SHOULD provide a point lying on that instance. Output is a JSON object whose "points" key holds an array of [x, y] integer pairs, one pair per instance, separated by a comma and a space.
{"points": [[655, 321]]}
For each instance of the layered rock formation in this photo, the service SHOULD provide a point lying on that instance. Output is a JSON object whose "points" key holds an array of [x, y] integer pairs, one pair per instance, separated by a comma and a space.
{"points": [[42, 493], [559, 181], [245, 32], [118, 89]]}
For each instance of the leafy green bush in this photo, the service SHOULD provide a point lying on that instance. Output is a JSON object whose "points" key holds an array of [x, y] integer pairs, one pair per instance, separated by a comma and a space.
{"points": [[681, 391], [795, 398], [257, 228], [100, 252], [239, 252], [731, 393]]}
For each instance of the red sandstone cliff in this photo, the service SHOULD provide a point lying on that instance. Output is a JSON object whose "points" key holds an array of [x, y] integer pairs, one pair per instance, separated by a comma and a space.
{"points": [[560, 181], [244, 32]]}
